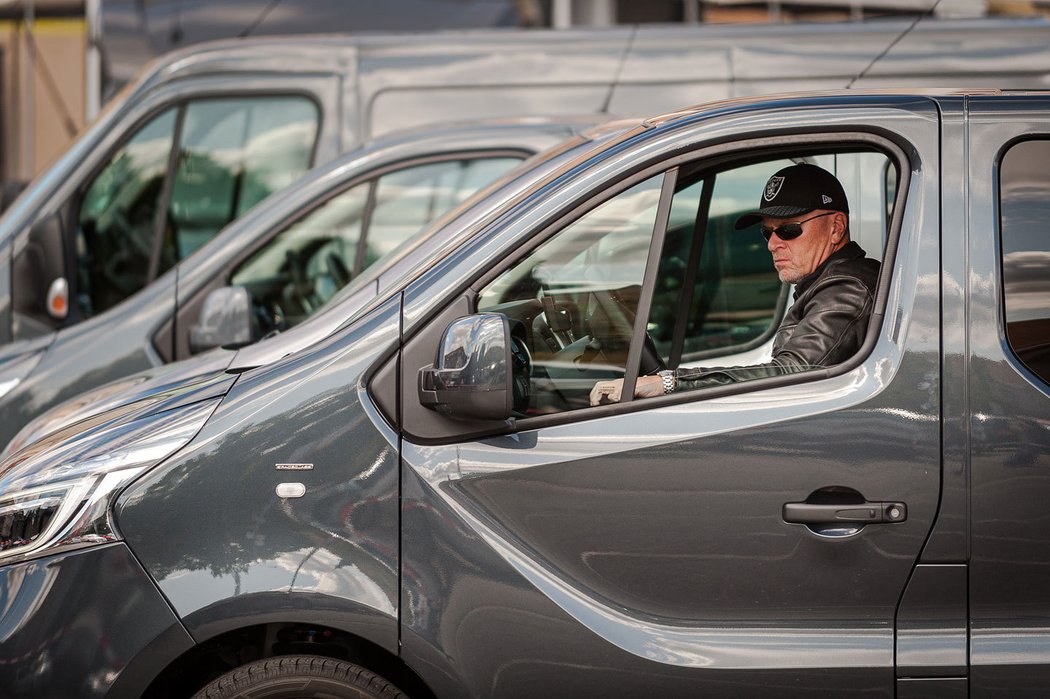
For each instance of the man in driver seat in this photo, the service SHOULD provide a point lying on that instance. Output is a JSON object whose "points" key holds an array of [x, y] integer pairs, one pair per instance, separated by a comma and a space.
{"points": [[805, 221]]}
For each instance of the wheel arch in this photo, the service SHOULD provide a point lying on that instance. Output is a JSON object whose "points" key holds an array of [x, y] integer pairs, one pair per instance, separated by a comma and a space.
{"points": [[210, 658]]}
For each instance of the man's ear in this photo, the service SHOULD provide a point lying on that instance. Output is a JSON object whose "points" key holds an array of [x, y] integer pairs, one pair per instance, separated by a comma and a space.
{"points": [[838, 228]]}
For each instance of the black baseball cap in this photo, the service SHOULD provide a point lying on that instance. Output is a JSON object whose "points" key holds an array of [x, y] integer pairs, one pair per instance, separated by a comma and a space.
{"points": [[797, 189]]}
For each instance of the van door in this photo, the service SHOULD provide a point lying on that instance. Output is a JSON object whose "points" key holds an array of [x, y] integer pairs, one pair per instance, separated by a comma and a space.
{"points": [[679, 545], [1003, 364]]}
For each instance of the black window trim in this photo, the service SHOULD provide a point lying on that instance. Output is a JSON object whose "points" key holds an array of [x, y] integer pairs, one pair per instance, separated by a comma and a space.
{"points": [[645, 298], [161, 216], [685, 300]]}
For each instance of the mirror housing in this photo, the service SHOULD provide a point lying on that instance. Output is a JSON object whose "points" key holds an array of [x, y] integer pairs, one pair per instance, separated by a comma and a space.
{"points": [[225, 320], [481, 371]]}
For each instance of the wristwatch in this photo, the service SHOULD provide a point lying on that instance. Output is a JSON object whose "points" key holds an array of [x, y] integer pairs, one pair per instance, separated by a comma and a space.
{"points": [[670, 379]]}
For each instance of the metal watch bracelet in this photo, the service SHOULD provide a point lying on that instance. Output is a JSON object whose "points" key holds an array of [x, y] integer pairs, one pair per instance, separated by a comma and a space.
{"points": [[670, 380]]}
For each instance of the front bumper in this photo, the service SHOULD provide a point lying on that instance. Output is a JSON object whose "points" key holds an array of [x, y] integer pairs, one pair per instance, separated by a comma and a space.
{"points": [[89, 623]]}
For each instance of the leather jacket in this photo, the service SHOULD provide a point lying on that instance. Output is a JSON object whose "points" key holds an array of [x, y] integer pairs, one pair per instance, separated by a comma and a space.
{"points": [[825, 325]]}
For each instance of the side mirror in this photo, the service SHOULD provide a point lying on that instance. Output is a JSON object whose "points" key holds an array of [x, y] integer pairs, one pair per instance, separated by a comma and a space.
{"points": [[225, 320], [481, 371]]}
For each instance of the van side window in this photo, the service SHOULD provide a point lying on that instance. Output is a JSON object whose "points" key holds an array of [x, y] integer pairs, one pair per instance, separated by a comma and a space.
{"points": [[717, 305], [233, 153], [118, 213], [301, 268], [230, 154], [406, 200], [718, 301], [1024, 201], [304, 265], [576, 297], [716, 290]]}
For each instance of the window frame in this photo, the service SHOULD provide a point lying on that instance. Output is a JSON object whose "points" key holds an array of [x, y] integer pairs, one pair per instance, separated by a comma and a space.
{"points": [[713, 157], [709, 176]]}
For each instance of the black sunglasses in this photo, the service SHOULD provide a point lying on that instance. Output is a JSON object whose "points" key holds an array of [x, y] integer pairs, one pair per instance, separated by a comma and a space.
{"points": [[790, 231]]}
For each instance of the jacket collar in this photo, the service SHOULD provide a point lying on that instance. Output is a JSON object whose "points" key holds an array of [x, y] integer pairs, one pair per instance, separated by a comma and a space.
{"points": [[849, 251]]}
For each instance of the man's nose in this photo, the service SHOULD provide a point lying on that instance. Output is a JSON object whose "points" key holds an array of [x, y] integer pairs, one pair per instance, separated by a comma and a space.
{"points": [[774, 242]]}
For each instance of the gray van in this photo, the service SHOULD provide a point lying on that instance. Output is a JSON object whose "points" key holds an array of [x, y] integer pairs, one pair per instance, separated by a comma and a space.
{"points": [[423, 503], [205, 134], [286, 259]]}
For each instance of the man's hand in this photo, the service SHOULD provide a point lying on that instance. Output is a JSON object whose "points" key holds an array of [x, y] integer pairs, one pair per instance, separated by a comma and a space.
{"points": [[606, 392], [609, 391]]}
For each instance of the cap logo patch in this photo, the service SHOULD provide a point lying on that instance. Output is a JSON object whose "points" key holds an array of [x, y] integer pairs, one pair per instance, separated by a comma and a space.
{"points": [[825, 198], [773, 187]]}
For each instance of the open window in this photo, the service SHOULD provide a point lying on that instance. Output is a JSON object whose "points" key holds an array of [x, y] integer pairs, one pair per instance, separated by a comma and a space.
{"points": [[658, 277]]}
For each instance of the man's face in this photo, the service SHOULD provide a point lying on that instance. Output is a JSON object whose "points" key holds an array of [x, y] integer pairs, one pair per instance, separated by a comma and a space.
{"points": [[794, 259]]}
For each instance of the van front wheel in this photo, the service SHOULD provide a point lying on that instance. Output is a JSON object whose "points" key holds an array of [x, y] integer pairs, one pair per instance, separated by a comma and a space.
{"points": [[300, 677]]}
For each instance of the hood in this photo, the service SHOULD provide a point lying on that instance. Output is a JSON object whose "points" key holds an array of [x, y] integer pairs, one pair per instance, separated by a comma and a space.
{"points": [[150, 391]]}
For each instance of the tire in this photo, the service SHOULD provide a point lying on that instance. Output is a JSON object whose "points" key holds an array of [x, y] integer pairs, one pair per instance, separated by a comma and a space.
{"points": [[300, 677]]}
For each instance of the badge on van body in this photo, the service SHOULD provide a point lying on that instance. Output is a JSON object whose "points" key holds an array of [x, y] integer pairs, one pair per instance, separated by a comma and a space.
{"points": [[294, 467]]}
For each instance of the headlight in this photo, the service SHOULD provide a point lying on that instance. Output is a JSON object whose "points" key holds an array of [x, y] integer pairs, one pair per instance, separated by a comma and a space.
{"points": [[57, 494]]}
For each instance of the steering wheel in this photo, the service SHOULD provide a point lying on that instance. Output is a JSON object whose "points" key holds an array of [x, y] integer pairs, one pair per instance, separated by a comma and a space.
{"points": [[337, 268], [126, 252], [557, 316]]}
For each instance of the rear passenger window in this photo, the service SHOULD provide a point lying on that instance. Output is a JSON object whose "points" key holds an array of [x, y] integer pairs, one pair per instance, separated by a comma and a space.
{"points": [[1024, 199]]}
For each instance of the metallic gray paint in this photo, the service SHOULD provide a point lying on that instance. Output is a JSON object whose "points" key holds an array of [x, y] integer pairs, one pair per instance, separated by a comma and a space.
{"points": [[443, 235], [370, 85], [675, 551], [331, 556], [149, 386], [1007, 418], [70, 625], [932, 623]]}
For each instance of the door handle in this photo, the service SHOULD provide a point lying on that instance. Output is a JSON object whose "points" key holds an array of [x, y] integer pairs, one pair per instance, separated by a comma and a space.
{"points": [[845, 513]]}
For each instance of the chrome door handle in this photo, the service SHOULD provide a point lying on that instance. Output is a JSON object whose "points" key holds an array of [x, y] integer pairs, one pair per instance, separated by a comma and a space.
{"points": [[845, 513]]}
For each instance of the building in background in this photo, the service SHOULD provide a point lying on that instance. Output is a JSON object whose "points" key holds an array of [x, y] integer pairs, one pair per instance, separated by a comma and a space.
{"points": [[61, 59]]}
